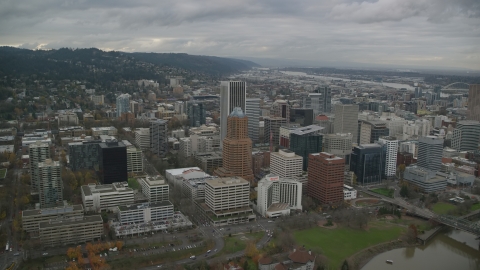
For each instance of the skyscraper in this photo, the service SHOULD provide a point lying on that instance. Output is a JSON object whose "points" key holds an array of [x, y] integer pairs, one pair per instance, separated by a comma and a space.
{"points": [[305, 141], [123, 104], [466, 135], [280, 108], [196, 114], [325, 178], [237, 148], [113, 162], [391, 147], [474, 102], [38, 152], [430, 152], [367, 163], [252, 111], [286, 164], [232, 94], [159, 137], [51, 186], [83, 155], [371, 130], [320, 101], [346, 120]]}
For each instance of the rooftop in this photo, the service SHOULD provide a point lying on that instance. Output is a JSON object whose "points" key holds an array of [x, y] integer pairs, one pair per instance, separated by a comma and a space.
{"points": [[70, 221], [226, 181], [53, 210], [144, 205], [307, 130]]}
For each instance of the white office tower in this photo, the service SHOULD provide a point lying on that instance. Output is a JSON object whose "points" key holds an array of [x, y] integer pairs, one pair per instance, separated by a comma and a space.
{"points": [[286, 164], [142, 138], [134, 160], [346, 120], [123, 104], [51, 186], [154, 188], [391, 144], [252, 111], [339, 144], [466, 135], [430, 151], [320, 101], [232, 94], [277, 196], [38, 152]]}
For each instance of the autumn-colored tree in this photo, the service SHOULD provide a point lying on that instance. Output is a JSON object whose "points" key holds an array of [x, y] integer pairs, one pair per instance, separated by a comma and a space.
{"points": [[119, 245], [71, 253], [72, 266], [251, 249]]}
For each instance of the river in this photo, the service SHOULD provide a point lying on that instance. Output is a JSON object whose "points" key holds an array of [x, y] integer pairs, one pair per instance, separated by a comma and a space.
{"points": [[326, 78], [446, 251]]}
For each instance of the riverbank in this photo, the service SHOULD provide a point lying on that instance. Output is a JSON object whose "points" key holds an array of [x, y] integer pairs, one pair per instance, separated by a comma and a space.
{"points": [[358, 260]]}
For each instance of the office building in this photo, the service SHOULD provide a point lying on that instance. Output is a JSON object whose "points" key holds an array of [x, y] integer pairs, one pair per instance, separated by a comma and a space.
{"points": [[209, 161], [32, 218], [424, 179], [272, 127], [305, 141], [391, 148], [276, 196], [474, 102], [466, 136], [346, 120], [339, 144], [123, 104], [144, 212], [349, 193], [84, 155], [227, 201], [142, 138], [69, 231], [154, 188], [252, 111], [110, 131], [113, 162], [430, 151], [371, 131], [232, 94], [367, 163], [301, 116], [106, 197], [50, 189], [286, 164], [237, 148], [159, 137], [134, 160], [280, 108], [320, 101], [285, 132], [196, 113], [325, 178], [38, 152], [67, 119], [134, 107]]}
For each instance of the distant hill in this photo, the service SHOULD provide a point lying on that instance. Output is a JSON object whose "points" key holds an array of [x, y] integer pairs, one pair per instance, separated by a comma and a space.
{"points": [[81, 64]]}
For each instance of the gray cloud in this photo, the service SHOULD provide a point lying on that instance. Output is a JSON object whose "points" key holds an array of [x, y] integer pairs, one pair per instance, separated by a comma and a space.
{"points": [[440, 33]]}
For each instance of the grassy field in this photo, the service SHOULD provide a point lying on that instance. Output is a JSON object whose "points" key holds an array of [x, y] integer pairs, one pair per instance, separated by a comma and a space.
{"points": [[338, 244], [442, 208], [133, 183], [3, 173], [384, 191], [239, 242], [475, 207]]}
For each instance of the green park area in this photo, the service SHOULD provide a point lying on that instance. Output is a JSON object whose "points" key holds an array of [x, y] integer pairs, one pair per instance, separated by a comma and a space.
{"points": [[442, 208], [133, 183], [3, 173], [340, 243], [387, 192], [237, 243]]}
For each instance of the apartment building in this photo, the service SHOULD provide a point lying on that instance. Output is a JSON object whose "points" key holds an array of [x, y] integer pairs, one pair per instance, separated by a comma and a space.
{"points": [[277, 196], [134, 160], [142, 138]]}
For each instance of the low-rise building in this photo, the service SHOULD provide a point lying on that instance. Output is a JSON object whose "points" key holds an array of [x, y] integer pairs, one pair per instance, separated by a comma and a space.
{"points": [[210, 161], [106, 197], [145, 212], [424, 179], [349, 193], [75, 230], [97, 131], [31, 218]]}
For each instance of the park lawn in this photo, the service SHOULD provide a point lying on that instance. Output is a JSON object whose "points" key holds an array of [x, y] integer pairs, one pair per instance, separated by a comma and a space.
{"points": [[238, 243], [3, 173], [340, 243], [442, 208], [133, 183], [384, 191], [475, 207]]}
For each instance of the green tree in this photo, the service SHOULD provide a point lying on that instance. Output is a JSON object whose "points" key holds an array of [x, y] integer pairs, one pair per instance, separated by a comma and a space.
{"points": [[404, 191]]}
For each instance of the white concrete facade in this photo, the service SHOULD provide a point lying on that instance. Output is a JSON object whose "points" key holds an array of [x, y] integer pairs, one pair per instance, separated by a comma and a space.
{"points": [[274, 190], [286, 164]]}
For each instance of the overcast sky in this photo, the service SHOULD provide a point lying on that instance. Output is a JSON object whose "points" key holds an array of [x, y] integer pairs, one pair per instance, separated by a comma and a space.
{"points": [[434, 33]]}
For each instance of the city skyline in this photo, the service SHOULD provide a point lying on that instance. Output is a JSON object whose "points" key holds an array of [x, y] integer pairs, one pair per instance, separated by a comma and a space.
{"points": [[417, 34]]}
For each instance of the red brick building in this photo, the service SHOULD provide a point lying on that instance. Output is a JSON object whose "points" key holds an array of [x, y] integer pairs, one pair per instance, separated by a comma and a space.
{"points": [[325, 177]]}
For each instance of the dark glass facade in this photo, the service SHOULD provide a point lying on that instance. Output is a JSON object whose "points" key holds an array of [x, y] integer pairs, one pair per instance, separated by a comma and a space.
{"points": [[84, 155], [113, 162], [304, 145], [301, 116], [367, 163], [196, 114]]}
